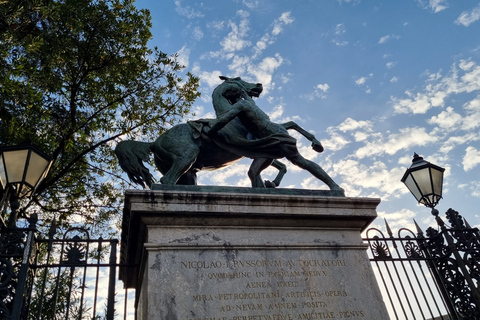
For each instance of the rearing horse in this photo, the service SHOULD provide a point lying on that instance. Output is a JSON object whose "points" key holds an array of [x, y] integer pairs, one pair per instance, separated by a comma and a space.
{"points": [[185, 149]]}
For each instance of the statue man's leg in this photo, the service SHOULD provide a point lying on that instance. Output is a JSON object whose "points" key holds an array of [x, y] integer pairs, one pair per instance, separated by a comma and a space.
{"points": [[257, 166], [315, 170]]}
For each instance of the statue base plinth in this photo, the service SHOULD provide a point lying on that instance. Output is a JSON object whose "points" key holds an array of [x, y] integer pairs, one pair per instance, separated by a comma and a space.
{"points": [[248, 254]]}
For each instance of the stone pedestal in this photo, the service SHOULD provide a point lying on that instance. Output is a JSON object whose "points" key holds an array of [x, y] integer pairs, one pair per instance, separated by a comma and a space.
{"points": [[248, 254]]}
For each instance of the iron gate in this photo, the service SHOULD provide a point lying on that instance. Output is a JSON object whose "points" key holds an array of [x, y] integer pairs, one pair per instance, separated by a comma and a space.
{"points": [[429, 277], [432, 276], [73, 277]]}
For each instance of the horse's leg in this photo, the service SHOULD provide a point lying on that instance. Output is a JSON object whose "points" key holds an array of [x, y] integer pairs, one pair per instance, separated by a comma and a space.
{"points": [[189, 178], [260, 164], [282, 169], [316, 145], [180, 165], [257, 166], [175, 153], [315, 170]]}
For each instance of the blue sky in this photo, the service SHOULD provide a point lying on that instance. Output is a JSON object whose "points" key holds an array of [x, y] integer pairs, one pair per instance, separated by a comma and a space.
{"points": [[375, 81]]}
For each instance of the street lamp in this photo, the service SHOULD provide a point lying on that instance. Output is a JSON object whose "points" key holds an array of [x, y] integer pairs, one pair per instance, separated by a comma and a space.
{"points": [[22, 169], [453, 251], [424, 180]]}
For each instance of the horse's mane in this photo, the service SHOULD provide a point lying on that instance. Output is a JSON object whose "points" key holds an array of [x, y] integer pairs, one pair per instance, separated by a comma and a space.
{"points": [[224, 95]]}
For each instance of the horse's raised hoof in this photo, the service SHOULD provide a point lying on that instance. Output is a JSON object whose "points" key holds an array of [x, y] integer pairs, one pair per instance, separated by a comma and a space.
{"points": [[317, 146], [269, 184]]}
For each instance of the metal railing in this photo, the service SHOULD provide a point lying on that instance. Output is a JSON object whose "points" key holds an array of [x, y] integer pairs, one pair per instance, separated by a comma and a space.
{"points": [[432, 276], [73, 277], [428, 277]]}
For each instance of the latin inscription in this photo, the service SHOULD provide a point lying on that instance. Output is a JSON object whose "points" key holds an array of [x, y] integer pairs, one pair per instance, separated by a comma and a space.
{"points": [[272, 289]]}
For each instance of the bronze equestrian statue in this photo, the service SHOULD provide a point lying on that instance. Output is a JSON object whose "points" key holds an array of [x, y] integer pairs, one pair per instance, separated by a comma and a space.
{"points": [[241, 130]]}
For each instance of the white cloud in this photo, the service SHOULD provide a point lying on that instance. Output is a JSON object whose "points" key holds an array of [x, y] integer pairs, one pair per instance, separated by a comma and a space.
{"points": [[463, 77], [402, 214], [475, 190], [187, 11], [335, 143], [276, 113], [361, 81], [406, 138], [198, 112], [339, 31], [216, 25], [391, 64], [360, 136], [399, 219], [183, 56], [350, 124], [323, 87], [384, 39], [279, 23], [454, 141], [251, 4], [472, 120], [269, 38], [319, 92], [419, 104], [220, 177], [471, 158], [313, 184], [284, 79], [197, 33], [387, 38], [264, 70], [210, 78], [447, 119], [235, 41], [434, 5], [239, 65], [245, 64], [466, 18], [438, 5], [377, 179], [394, 79]]}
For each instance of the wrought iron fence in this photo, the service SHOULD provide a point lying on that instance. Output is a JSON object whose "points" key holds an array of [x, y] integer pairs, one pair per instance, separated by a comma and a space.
{"points": [[432, 276], [73, 277], [16, 248], [428, 277]]}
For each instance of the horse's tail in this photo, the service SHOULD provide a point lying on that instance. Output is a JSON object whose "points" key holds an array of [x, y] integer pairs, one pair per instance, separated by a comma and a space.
{"points": [[131, 155]]}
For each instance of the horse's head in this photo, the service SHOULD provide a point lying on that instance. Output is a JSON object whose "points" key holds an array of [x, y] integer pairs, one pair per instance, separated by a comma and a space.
{"points": [[233, 88]]}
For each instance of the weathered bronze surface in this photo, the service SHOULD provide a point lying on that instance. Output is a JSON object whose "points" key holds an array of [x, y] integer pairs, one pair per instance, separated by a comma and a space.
{"points": [[241, 129]]}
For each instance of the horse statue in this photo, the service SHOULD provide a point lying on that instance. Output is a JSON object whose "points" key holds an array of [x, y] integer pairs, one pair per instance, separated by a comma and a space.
{"points": [[210, 144]]}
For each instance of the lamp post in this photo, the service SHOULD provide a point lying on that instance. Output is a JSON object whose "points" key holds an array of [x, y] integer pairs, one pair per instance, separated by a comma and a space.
{"points": [[455, 263], [425, 181], [22, 169]]}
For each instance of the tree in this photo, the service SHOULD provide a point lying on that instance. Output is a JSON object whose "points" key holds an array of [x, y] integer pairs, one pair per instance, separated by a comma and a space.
{"points": [[76, 76]]}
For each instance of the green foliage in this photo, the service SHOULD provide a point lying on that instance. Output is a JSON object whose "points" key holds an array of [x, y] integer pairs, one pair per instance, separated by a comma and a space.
{"points": [[76, 76]]}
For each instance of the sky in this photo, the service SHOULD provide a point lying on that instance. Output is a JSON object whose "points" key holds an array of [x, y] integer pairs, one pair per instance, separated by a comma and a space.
{"points": [[375, 81]]}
